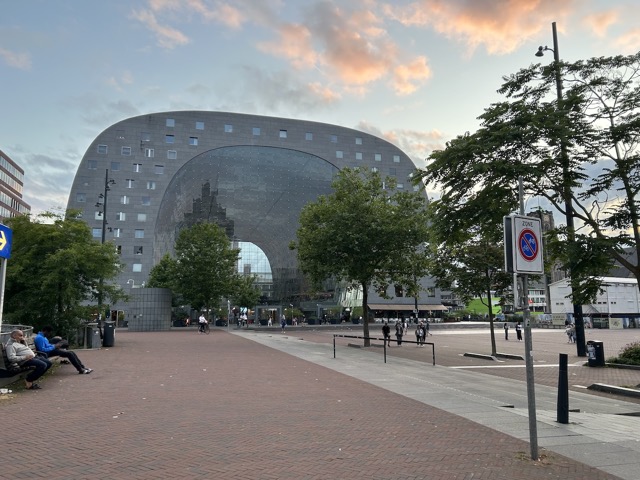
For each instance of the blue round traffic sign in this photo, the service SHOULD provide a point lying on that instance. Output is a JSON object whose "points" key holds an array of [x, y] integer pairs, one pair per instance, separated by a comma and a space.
{"points": [[528, 245]]}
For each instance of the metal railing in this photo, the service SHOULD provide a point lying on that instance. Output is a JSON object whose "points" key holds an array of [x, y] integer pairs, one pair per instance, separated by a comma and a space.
{"points": [[384, 344]]}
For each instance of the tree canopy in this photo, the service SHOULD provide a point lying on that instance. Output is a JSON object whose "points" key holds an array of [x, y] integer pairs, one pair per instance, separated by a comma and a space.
{"points": [[366, 233], [54, 271], [597, 126]]}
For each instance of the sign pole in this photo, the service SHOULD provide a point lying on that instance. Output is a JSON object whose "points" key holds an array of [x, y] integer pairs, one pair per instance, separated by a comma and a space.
{"points": [[3, 276]]}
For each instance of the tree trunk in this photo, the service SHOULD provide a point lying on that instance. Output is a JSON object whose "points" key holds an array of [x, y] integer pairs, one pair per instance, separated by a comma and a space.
{"points": [[365, 316]]}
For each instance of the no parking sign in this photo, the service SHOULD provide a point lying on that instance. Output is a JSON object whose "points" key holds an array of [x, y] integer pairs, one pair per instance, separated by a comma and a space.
{"points": [[523, 245]]}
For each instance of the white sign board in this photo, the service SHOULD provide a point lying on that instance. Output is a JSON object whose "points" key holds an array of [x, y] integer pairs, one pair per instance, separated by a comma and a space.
{"points": [[523, 239]]}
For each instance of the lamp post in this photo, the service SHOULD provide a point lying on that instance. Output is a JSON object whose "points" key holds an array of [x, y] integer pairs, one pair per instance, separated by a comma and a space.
{"points": [[102, 202], [571, 234]]}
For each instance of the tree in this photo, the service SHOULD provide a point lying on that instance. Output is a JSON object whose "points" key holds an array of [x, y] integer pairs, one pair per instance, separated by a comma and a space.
{"points": [[586, 144], [162, 275], [54, 271], [205, 266], [246, 294], [363, 233]]}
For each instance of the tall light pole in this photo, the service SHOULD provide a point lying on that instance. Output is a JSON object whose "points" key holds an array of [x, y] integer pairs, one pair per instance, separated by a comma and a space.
{"points": [[568, 202], [102, 202]]}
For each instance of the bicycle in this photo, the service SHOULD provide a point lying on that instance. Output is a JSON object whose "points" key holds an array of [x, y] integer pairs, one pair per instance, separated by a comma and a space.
{"points": [[204, 328]]}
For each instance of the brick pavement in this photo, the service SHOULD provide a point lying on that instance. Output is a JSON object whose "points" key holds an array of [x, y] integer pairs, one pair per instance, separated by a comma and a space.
{"points": [[181, 405]]}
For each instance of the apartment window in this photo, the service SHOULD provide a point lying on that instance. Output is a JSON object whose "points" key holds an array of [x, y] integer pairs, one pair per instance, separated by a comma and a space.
{"points": [[170, 122], [121, 216], [358, 155], [145, 200], [228, 128], [374, 169], [145, 137], [117, 232], [193, 140], [137, 267], [199, 125], [396, 159], [169, 138], [137, 250], [334, 138], [125, 151], [139, 233], [119, 249], [400, 186], [137, 167], [308, 136], [149, 153], [151, 185], [81, 197], [103, 149], [256, 131], [92, 164], [96, 232], [142, 217], [339, 154], [358, 141], [124, 199], [97, 216], [377, 157], [283, 134], [159, 169], [129, 182], [172, 154], [115, 166]]}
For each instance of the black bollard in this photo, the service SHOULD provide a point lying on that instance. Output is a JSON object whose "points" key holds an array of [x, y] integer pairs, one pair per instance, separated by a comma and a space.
{"points": [[563, 390]]}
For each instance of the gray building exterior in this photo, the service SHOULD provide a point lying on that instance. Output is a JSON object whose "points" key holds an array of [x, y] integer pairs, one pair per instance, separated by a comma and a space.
{"points": [[145, 178]]}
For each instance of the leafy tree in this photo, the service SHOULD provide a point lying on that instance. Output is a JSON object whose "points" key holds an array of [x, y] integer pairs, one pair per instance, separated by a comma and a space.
{"points": [[246, 294], [363, 233], [584, 148], [205, 266], [162, 275], [54, 271]]}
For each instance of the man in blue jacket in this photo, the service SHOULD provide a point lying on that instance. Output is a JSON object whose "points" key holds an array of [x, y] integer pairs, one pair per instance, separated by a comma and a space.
{"points": [[41, 341]]}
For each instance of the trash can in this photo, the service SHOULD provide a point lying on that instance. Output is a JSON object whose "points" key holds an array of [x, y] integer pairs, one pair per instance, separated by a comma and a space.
{"points": [[108, 334], [595, 353], [91, 336]]}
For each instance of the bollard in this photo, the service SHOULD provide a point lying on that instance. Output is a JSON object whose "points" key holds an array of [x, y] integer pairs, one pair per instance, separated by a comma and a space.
{"points": [[563, 390]]}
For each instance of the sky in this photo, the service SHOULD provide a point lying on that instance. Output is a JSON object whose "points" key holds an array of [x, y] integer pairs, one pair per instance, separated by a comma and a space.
{"points": [[417, 73]]}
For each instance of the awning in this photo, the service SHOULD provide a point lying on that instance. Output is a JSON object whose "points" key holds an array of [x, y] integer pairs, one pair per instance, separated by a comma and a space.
{"points": [[406, 307]]}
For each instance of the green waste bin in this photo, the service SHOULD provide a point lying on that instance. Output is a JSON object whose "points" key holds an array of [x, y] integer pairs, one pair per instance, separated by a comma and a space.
{"points": [[108, 334]]}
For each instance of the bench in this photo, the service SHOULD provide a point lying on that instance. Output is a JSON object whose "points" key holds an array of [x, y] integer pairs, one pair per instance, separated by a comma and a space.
{"points": [[11, 372]]}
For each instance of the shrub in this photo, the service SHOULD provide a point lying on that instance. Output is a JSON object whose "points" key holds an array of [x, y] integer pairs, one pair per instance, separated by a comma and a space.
{"points": [[629, 355]]}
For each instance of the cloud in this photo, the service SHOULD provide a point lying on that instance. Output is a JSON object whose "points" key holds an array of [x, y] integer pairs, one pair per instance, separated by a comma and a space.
{"points": [[118, 83], [21, 61], [167, 37], [600, 22], [629, 41], [500, 26]]}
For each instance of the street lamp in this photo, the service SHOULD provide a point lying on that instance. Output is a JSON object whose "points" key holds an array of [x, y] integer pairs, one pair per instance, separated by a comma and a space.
{"points": [[102, 202], [571, 234]]}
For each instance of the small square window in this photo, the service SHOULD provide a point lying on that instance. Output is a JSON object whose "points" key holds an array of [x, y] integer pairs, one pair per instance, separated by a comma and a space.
{"points": [[159, 169], [148, 152], [142, 217], [358, 141], [137, 250], [145, 137], [103, 149], [308, 136], [124, 199], [374, 169], [145, 200], [256, 131], [98, 215], [96, 232], [358, 155], [117, 232], [136, 267], [228, 128], [121, 216], [81, 197], [339, 154], [137, 167], [170, 122], [151, 185], [169, 139], [92, 164], [172, 154], [199, 125], [129, 182], [139, 233], [396, 159], [115, 166], [377, 157], [125, 151], [283, 134], [119, 249], [193, 140], [334, 139]]}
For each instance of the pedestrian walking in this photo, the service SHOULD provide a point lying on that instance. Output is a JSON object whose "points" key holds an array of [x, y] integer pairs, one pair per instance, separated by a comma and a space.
{"points": [[399, 332], [519, 331], [386, 332], [506, 331], [283, 323]]}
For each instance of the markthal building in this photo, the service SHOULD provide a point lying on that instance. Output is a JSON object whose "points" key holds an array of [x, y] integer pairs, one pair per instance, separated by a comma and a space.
{"points": [[146, 178]]}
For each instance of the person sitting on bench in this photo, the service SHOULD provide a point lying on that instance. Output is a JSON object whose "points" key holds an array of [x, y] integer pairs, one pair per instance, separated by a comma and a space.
{"points": [[41, 341], [18, 352]]}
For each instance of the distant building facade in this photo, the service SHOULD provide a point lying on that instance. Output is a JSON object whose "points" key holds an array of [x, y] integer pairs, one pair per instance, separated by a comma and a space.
{"points": [[11, 188]]}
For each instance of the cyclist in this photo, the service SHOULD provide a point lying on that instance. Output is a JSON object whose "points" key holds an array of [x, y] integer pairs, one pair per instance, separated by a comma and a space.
{"points": [[202, 322]]}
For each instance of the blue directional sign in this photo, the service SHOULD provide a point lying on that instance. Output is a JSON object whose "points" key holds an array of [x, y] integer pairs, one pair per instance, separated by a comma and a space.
{"points": [[6, 237]]}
